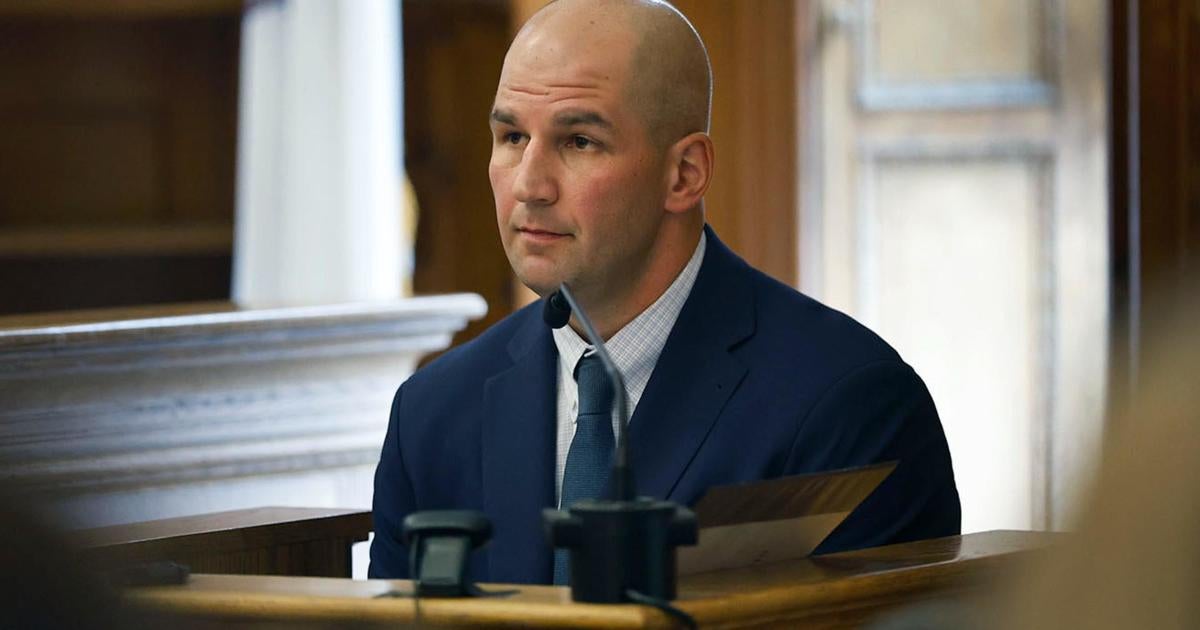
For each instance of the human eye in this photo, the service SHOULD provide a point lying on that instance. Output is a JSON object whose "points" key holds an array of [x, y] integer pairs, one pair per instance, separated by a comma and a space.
{"points": [[581, 143], [509, 137]]}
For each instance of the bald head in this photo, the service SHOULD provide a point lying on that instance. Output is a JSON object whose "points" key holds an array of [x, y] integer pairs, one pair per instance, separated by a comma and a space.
{"points": [[600, 160], [667, 76]]}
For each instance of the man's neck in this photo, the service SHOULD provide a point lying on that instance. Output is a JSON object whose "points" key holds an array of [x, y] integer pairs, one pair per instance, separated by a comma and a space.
{"points": [[611, 315]]}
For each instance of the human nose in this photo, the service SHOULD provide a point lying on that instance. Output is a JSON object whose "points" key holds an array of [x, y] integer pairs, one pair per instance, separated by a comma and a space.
{"points": [[535, 183]]}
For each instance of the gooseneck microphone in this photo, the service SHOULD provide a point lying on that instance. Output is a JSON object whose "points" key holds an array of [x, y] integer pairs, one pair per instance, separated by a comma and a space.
{"points": [[621, 549], [557, 313]]}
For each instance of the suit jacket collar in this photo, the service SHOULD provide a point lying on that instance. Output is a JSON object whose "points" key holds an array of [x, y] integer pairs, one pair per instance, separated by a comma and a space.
{"points": [[518, 454], [695, 375]]}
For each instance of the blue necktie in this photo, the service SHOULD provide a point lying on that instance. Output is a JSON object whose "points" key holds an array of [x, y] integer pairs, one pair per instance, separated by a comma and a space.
{"points": [[589, 462]]}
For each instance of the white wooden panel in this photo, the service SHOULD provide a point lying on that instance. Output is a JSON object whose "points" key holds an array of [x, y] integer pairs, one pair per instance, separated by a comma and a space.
{"points": [[931, 54], [1009, 92], [935, 40], [952, 273]]}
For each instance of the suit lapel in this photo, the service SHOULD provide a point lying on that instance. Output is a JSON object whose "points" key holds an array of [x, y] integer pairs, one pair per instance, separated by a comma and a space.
{"points": [[518, 455], [694, 378], [695, 375]]}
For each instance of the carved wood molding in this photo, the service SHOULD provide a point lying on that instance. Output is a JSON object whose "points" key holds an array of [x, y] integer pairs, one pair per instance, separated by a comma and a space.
{"points": [[95, 407]]}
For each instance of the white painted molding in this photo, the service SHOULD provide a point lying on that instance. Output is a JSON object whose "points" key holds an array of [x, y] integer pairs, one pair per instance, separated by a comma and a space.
{"points": [[192, 405]]}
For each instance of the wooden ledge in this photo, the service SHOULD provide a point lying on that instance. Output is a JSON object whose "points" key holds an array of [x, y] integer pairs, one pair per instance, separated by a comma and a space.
{"points": [[22, 332], [133, 414], [213, 541], [833, 591]]}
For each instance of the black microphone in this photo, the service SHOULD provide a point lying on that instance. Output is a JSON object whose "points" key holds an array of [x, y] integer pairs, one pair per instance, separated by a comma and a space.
{"points": [[621, 549], [556, 312]]}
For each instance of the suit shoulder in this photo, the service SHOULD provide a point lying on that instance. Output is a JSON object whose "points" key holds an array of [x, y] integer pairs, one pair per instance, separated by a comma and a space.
{"points": [[811, 331], [478, 358]]}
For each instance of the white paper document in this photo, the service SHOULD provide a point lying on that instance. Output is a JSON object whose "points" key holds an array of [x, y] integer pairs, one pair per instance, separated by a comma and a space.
{"points": [[778, 519]]}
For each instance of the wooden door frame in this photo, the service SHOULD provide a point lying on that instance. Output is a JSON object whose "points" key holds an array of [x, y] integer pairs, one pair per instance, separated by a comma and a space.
{"points": [[1155, 176]]}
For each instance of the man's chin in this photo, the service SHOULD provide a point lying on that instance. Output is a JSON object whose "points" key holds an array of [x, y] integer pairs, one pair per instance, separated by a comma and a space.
{"points": [[541, 278], [542, 290], [541, 286]]}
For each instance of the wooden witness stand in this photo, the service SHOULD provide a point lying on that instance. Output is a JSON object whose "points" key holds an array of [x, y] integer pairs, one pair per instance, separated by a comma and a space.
{"points": [[833, 591]]}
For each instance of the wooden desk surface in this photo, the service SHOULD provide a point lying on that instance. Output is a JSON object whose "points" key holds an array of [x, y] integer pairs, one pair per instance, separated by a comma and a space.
{"points": [[838, 590]]}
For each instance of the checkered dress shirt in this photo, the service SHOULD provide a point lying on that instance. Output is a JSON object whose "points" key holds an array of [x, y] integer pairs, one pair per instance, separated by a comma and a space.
{"points": [[635, 349]]}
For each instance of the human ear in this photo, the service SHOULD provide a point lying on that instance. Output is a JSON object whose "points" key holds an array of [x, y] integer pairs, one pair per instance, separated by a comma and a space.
{"points": [[690, 172]]}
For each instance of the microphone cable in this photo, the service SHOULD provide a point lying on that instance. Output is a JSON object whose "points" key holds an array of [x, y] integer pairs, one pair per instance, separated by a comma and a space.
{"points": [[683, 618]]}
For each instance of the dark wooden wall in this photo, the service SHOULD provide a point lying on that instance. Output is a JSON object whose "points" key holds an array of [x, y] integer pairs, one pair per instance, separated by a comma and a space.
{"points": [[753, 202], [117, 145], [1155, 173], [453, 50]]}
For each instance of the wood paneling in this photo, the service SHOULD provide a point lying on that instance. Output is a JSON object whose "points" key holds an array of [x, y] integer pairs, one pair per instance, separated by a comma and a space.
{"points": [[991, 41], [117, 122], [453, 51], [1155, 169], [988, 119], [33, 284], [122, 128], [522, 10], [1169, 128], [756, 106], [121, 8], [915, 219]]}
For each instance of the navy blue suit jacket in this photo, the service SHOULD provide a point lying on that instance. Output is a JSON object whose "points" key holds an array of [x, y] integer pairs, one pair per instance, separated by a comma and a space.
{"points": [[755, 381]]}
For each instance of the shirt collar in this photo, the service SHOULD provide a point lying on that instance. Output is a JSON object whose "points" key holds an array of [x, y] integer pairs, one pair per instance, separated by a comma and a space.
{"points": [[636, 347]]}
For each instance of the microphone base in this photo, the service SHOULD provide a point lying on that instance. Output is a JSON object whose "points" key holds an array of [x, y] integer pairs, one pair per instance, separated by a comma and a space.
{"points": [[616, 546]]}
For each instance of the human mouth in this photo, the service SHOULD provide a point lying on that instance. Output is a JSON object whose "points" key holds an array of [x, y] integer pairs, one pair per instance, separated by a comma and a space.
{"points": [[541, 236]]}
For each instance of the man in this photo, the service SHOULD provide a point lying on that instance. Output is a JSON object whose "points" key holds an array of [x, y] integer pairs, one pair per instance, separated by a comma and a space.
{"points": [[599, 166]]}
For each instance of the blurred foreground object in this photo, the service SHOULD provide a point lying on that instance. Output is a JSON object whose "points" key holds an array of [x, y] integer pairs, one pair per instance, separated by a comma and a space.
{"points": [[1134, 562], [41, 583]]}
